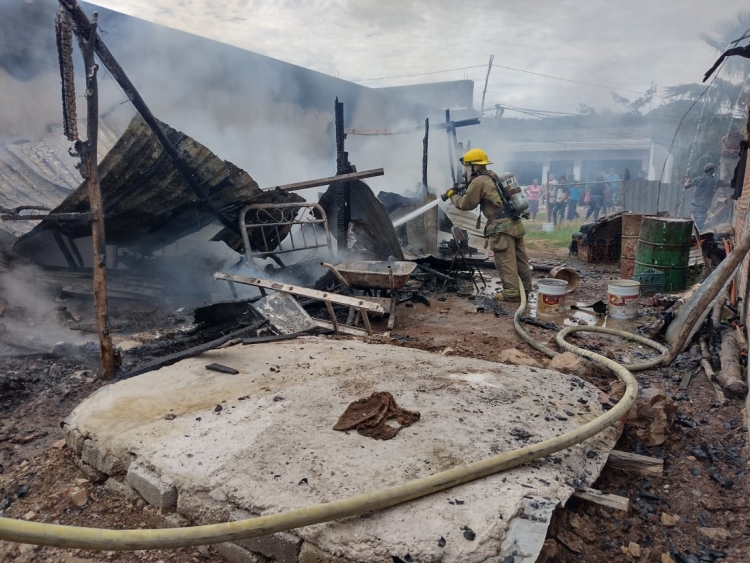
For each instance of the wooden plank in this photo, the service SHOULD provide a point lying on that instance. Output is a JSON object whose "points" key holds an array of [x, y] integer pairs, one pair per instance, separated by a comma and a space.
{"points": [[627, 461], [343, 329], [329, 180], [604, 499], [332, 314], [271, 338], [303, 291]]}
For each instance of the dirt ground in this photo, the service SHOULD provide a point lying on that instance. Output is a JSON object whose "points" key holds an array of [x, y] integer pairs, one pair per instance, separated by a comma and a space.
{"points": [[704, 481]]}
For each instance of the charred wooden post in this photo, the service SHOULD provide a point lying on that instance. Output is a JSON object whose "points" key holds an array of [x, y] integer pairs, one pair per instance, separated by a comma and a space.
{"points": [[425, 144], [82, 24], [88, 151], [448, 128], [343, 190], [730, 375]]}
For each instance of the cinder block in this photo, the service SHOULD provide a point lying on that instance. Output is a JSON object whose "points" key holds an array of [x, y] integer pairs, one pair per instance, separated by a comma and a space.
{"points": [[281, 547], [236, 554], [73, 438], [105, 462], [312, 554], [152, 488]]}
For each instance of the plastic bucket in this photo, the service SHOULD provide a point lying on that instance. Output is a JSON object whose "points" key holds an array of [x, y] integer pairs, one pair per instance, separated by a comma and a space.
{"points": [[548, 227], [566, 274], [623, 298], [551, 298]]}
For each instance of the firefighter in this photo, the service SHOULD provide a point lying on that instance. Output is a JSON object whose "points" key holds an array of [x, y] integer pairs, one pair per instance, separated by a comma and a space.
{"points": [[504, 228], [703, 194]]}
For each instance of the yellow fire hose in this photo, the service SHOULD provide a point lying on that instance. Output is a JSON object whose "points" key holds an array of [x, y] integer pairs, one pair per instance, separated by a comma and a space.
{"points": [[102, 539]]}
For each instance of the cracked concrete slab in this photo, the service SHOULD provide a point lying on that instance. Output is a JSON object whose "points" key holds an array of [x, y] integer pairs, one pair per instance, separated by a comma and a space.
{"points": [[262, 442]]}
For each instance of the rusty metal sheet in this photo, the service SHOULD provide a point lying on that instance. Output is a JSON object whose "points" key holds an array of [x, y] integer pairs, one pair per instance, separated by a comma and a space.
{"points": [[147, 203]]}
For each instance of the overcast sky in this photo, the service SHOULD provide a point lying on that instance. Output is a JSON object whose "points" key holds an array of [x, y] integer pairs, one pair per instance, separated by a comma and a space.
{"points": [[627, 44]]}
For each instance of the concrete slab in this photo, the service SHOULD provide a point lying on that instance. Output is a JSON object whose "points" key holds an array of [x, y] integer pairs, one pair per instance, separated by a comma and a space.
{"points": [[261, 442]]}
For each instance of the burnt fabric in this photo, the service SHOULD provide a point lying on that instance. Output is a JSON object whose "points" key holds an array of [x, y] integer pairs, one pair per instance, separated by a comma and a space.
{"points": [[370, 416]]}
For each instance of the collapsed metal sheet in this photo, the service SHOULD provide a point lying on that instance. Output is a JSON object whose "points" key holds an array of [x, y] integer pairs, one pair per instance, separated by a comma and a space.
{"points": [[370, 222], [147, 203]]}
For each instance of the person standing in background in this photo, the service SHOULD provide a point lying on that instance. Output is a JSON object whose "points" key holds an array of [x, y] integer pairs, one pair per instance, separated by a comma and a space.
{"points": [[533, 193], [574, 195], [550, 196], [561, 201], [613, 187], [704, 189], [596, 197]]}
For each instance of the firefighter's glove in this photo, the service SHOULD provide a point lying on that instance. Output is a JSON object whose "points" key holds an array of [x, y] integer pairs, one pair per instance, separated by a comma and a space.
{"points": [[447, 195]]}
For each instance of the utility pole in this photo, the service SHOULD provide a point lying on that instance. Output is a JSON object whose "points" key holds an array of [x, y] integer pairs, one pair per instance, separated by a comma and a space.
{"points": [[88, 152], [486, 80]]}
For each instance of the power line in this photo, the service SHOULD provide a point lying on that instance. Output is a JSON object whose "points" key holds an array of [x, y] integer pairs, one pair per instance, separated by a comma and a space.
{"points": [[513, 69], [420, 74], [573, 81]]}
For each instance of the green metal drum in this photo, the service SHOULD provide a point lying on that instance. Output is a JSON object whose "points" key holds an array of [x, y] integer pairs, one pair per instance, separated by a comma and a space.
{"points": [[664, 245]]}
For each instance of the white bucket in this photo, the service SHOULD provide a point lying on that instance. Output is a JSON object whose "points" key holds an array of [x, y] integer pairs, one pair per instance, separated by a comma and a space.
{"points": [[623, 298], [548, 227], [551, 299]]}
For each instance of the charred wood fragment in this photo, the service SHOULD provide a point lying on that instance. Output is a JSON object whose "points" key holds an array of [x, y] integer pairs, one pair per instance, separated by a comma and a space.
{"points": [[64, 34], [190, 352]]}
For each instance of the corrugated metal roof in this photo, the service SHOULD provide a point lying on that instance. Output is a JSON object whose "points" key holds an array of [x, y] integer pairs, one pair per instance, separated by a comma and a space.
{"points": [[42, 173]]}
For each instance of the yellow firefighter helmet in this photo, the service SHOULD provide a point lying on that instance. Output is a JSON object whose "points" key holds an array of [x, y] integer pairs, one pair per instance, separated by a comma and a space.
{"points": [[476, 156]]}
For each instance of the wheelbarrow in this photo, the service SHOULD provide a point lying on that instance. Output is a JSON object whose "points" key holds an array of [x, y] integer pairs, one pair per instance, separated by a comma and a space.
{"points": [[373, 275]]}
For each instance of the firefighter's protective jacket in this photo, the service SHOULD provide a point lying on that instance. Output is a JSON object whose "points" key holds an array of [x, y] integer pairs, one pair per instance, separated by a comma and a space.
{"points": [[482, 190]]}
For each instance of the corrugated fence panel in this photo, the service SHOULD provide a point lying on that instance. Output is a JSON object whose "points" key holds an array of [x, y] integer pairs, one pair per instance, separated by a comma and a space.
{"points": [[646, 197]]}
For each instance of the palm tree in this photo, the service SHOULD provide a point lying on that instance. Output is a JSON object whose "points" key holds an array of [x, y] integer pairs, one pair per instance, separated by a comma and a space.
{"points": [[726, 34]]}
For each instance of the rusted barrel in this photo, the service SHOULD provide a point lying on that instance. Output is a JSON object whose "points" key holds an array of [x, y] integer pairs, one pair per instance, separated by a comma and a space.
{"points": [[631, 229], [664, 244]]}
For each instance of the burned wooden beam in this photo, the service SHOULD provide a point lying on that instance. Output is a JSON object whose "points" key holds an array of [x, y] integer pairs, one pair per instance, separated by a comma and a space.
{"points": [[329, 180], [425, 146], [59, 217], [343, 189]]}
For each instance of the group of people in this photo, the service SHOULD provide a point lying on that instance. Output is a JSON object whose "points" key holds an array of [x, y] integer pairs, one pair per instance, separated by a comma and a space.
{"points": [[566, 195]]}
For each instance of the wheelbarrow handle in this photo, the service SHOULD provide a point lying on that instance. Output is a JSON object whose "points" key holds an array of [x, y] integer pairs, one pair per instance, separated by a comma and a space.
{"points": [[335, 272]]}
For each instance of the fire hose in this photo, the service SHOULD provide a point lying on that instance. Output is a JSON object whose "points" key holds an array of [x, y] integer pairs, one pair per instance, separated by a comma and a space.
{"points": [[112, 540]]}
